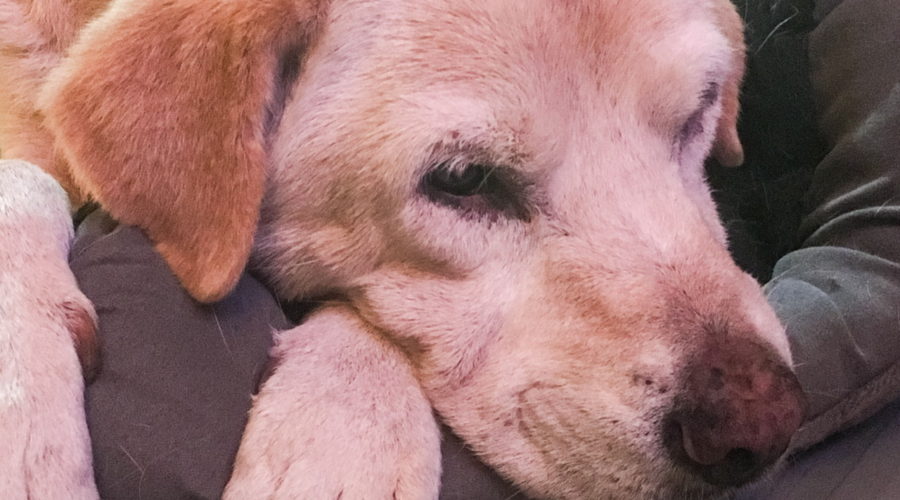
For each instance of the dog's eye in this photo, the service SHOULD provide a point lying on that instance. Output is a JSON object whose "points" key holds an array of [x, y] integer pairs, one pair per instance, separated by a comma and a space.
{"points": [[475, 189], [693, 126], [470, 180]]}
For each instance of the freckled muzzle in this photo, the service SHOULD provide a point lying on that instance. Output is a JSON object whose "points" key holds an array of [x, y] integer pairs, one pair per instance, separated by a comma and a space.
{"points": [[736, 414]]}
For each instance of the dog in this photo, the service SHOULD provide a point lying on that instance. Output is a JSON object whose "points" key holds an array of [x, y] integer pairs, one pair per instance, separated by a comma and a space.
{"points": [[505, 198]]}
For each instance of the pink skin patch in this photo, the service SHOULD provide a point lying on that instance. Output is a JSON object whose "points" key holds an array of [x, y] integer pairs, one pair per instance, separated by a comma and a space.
{"points": [[83, 328]]}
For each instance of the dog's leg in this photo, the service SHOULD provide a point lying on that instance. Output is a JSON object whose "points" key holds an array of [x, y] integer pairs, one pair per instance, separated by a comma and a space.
{"points": [[46, 448], [342, 416]]}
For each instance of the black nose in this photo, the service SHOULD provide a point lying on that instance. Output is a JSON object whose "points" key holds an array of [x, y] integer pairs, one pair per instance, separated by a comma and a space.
{"points": [[736, 415]]}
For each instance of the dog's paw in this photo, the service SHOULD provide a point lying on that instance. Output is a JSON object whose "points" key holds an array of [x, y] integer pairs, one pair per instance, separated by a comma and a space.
{"points": [[46, 452], [46, 448], [36, 229], [341, 416]]}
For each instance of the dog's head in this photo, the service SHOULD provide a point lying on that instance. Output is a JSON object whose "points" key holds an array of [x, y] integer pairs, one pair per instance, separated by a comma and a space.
{"points": [[513, 191]]}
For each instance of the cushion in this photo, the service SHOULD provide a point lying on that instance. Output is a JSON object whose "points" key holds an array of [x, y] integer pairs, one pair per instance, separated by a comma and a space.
{"points": [[838, 293], [167, 411]]}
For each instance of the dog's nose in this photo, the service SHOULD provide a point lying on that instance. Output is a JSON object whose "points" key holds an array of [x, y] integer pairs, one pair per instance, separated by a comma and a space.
{"points": [[737, 413]]}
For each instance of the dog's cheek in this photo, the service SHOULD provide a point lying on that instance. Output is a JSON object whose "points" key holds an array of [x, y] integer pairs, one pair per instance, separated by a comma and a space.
{"points": [[545, 402], [81, 323], [448, 322]]}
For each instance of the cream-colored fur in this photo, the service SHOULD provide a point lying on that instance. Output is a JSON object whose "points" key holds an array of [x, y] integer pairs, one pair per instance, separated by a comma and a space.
{"points": [[550, 327], [46, 448], [345, 409]]}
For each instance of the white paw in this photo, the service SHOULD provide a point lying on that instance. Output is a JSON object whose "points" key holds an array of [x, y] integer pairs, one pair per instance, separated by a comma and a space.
{"points": [[46, 448], [341, 417]]}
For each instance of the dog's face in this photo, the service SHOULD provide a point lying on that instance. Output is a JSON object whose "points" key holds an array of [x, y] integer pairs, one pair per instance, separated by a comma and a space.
{"points": [[513, 191]]}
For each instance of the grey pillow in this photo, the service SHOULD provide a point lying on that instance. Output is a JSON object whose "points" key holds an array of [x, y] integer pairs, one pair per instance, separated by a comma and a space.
{"points": [[167, 411], [839, 293]]}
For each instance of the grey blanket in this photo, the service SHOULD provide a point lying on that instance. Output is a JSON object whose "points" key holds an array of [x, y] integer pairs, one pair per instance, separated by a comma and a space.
{"points": [[839, 293]]}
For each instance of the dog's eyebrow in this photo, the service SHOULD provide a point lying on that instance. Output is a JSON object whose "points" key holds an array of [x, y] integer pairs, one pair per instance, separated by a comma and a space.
{"points": [[495, 146]]}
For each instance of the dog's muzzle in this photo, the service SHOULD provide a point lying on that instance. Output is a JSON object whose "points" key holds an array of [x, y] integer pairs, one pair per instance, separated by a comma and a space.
{"points": [[738, 410]]}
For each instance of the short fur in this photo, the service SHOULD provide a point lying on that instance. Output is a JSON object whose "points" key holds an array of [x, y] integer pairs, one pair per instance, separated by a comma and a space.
{"points": [[46, 450], [557, 338], [337, 377]]}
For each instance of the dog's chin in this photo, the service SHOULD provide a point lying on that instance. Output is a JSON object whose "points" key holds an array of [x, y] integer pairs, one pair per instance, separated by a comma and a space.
{"points": [[625, 470], [682, 482], [692, 488], [666, 481], [623, 466]]}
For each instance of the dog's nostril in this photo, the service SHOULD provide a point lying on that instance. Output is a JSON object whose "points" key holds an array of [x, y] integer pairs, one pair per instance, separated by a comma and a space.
{"points": [[741, 459], [713, 459], [701, 451]]}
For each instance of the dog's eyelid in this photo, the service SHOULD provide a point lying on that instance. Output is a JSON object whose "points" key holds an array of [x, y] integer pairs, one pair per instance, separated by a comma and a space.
{"points": [[693, 125], [691, 128], [710, 94], [476, 188]]}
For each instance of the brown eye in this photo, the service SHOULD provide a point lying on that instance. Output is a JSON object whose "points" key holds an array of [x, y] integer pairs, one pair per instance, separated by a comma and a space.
{"points": [[476, 189], [471, 180], [693, 126]]}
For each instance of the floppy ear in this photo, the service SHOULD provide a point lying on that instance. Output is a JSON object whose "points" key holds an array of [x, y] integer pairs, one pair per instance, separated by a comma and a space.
{"points": [[727, 149], [160, 110]]}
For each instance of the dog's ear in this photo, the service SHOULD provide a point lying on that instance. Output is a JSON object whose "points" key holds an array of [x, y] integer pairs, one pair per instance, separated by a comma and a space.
{"points": [[727, 149], [161, 109]]}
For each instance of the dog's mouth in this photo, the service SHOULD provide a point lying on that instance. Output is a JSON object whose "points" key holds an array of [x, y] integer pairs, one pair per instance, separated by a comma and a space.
{"points": [[677, 472], [727, 423]]}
